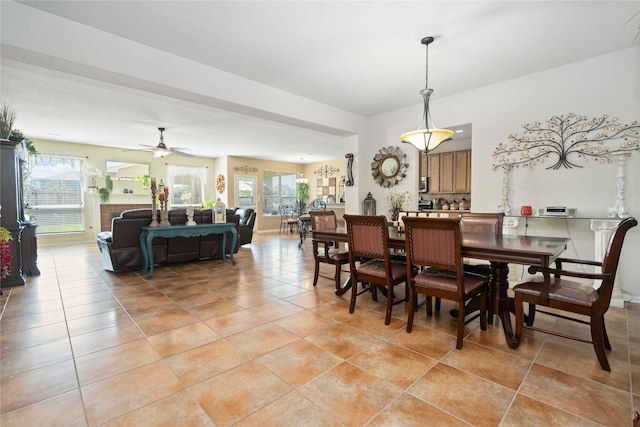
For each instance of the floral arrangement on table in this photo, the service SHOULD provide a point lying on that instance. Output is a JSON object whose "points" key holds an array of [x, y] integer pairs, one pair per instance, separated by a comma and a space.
{"points": [[397, 200], [5, 252]]}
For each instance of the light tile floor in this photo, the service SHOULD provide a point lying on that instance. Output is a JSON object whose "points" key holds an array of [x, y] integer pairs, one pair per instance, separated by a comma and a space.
{"points": [[256, 344]]}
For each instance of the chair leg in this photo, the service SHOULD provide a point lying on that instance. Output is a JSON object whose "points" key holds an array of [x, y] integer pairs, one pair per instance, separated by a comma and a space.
{"points": [[337, 275], [428, 303], [354, 293], [532, 314], [483, 312], [413, 298], [438, 301], [598, 342], [460, 334], [387, 317], [316, 273], [519, 311], [489, 305], [607, 344]]}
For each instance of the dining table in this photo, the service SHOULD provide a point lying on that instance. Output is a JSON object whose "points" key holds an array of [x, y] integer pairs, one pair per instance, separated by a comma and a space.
{"points": [[499, 250]]}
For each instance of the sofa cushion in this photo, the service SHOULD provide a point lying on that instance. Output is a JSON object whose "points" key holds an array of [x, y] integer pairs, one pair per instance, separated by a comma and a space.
{"points": [[136, 213]]}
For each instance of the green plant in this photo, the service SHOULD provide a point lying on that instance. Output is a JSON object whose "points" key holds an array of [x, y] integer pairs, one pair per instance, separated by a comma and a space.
{"points": [[5, 235], [106, 190], [144, 180], [208, 204], [303, 192], [104, 195], [5, 252], [7, 118], [397, 201], [31, 149]]}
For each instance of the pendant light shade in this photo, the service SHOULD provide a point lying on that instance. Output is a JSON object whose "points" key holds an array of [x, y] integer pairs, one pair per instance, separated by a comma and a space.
{"points": [[426, 138]]}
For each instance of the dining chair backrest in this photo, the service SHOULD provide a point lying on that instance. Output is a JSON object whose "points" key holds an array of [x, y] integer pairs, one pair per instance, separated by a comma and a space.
{"points": [[612, 257], [367, 236], [482, 223], [323, 220], [434, 242], [317, 205], [285, 210]]}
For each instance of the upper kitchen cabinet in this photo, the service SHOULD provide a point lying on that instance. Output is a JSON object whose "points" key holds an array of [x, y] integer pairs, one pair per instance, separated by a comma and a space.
{"points": [[448, 172], [462, 171]]}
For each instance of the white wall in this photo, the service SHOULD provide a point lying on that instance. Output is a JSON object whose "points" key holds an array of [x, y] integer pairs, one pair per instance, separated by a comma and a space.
{"points": [[608, 84]]}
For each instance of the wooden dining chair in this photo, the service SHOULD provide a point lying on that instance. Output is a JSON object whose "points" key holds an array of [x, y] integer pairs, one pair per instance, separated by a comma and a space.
{"points": [[326, 251], [370, 259], [481, 223], [435, 244], [573, 296], [288, 219]]}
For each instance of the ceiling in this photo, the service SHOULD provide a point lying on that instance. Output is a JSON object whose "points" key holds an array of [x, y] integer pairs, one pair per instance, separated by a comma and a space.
{"points": [[363, 57]]}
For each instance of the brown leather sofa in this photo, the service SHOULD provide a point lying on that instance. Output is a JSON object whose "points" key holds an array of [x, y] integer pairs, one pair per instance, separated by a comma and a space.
{"points": [[120, 248]]}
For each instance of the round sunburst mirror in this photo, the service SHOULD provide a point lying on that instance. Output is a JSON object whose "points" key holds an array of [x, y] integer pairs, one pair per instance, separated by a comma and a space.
{"points": [[389, 166]]}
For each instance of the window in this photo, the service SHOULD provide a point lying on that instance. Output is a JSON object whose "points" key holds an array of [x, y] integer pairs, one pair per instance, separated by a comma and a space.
{"points": [[279, 189], [53, 193], [187, 185]]}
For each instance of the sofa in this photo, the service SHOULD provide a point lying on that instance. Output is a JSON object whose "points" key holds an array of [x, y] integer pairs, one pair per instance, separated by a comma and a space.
{"points": [[247, 221], [120, 248]]}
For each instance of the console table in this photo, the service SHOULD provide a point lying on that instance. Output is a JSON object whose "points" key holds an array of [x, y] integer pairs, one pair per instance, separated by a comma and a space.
{"points": [[147, 234]]}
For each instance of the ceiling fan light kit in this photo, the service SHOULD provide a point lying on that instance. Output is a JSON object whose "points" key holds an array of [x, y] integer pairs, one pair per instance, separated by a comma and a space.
{"points": [[426, 138], [162, 150]]}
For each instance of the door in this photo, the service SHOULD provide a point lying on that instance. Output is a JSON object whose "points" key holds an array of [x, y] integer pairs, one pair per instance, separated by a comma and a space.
{"points": [[245, 191]]}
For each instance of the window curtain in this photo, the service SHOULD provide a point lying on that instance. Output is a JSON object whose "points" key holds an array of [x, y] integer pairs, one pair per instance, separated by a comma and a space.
{"points": [[187, 185]]}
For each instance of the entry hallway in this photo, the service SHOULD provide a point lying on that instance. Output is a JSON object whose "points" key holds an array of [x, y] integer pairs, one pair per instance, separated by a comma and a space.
{"points": [[256, 344]]}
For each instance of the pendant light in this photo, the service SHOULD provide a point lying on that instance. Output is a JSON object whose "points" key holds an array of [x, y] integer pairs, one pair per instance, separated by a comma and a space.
{"points": [[427, 138]]}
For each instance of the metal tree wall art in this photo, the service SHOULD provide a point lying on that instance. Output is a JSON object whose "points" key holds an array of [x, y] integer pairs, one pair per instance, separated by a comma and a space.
{"points": [[565, 140]]}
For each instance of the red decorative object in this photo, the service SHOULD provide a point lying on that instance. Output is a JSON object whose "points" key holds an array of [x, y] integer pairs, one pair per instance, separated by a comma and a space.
{"points": [[5, 258], [525, 211]]}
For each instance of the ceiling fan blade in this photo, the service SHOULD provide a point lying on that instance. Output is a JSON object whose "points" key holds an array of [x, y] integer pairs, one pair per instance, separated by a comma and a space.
{"points": [[147, 146], [182, 153], [137, 149]]}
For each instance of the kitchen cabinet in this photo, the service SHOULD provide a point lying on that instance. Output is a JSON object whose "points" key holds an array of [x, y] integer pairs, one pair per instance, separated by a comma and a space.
{"points": [[448, 172], [462, 171]]}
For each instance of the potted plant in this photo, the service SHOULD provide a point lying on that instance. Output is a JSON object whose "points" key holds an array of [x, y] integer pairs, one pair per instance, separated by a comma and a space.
{"points": [[397, 201], [106, 190], [145, 180], [5, 252], [7, 118]]}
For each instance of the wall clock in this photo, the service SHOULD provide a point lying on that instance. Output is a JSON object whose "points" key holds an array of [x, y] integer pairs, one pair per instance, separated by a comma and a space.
{"points": [[220, 184]]}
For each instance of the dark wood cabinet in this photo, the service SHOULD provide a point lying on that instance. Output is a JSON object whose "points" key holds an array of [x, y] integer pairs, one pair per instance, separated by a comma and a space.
{"points": [[23, 245], [29, 249]]}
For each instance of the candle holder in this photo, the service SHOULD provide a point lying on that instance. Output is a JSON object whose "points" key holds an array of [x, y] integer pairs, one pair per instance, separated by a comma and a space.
{"points": [[154, 212], [164, 214]]}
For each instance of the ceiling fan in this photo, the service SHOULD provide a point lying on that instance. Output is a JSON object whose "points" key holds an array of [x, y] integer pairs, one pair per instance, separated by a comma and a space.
{"points": [[162, 150]]}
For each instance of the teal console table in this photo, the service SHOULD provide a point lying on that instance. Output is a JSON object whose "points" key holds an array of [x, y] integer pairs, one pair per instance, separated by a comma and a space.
{"points": [[147, 234]]}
